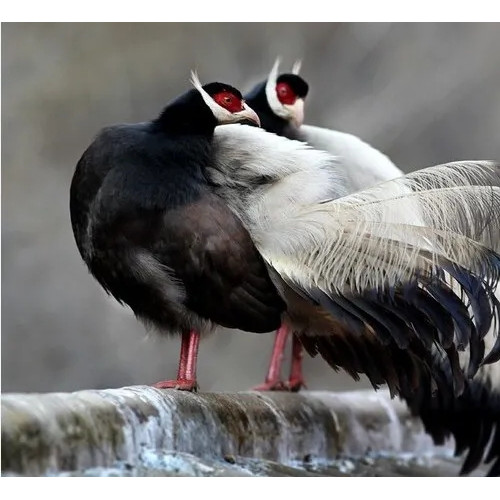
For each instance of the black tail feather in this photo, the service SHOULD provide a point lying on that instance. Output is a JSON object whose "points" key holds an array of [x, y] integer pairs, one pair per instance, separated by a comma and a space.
{"points": [[472, 419]]}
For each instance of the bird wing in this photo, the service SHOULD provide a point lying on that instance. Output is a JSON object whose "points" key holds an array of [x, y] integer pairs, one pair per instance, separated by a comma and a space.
{"points": [[413, 266], [372, 280], [224, 276], [362, 164], [450, 211]]}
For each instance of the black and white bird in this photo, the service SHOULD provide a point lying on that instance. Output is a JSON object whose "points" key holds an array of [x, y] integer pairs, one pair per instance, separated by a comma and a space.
{"points": [[157, 238], [397, 282], [279, 102]]}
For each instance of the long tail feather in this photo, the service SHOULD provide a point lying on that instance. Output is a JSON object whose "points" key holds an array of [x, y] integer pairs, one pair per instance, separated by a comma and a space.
{"points": [[472, 419]]}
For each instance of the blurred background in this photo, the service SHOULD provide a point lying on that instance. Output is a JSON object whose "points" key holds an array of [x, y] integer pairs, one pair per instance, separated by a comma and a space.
{"points": [[422, 93]]}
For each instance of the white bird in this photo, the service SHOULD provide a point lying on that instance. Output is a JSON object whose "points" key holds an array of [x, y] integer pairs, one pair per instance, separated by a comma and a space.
{"points": [[279, 102], [396, 281]]}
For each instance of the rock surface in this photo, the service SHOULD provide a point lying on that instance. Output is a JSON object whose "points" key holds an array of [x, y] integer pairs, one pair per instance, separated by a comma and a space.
{"points": [[146, 431]]}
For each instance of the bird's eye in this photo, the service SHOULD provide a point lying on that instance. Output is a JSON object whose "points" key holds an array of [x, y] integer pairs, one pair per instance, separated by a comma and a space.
{"points": [[285, 93], [228, 99]]}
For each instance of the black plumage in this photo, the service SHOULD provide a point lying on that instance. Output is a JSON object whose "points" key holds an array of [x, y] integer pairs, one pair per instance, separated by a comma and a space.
{"points": [[472, 418]]}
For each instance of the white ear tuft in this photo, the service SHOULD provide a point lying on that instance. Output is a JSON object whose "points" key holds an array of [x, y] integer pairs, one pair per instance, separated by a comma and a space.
{"points": [[195, 80], [273, 74], [204, 94], [271, 96], [296, 67]]}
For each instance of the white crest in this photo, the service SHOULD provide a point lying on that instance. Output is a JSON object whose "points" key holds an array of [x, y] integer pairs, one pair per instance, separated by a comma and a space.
{"points": [[197, 85], [296, 67]]}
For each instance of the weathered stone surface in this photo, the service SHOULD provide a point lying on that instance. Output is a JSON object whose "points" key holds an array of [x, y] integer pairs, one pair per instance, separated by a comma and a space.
{"points": [[168, 464], [50, 433]]}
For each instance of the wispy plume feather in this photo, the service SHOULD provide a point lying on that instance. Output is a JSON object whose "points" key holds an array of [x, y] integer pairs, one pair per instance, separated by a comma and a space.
{"points": [[296, 67]]}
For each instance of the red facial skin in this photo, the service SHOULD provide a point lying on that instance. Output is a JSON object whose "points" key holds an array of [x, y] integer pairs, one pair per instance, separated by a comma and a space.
{"points": [[229, 101], [285, 94]]}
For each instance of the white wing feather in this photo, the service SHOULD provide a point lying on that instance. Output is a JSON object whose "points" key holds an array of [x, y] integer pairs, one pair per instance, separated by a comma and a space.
{"points": [[368, 239], [362, 165], [380, 237], [261, 175]]}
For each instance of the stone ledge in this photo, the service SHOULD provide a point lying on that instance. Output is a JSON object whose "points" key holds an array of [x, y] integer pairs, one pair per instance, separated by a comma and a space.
{"points": [[50, 433]]}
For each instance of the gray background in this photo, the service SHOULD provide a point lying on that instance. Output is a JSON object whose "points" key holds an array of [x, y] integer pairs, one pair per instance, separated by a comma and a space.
{"points": [[422, 93]]}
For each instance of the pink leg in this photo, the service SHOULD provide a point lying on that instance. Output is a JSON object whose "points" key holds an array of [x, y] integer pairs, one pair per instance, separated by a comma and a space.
{"points": [[273, 380], [186, 374], [296, 379]]}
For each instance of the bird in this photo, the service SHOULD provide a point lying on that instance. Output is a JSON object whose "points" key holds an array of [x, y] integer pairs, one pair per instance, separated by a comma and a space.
{"points": [[398, 281], [154, 235], [279, 102]]}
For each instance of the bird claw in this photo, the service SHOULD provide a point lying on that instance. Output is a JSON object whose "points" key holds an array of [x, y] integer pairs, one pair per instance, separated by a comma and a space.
{"points": [[180, 385], [292, 385]]}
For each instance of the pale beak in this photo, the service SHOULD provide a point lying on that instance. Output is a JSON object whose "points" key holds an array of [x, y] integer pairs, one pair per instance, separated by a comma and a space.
{"points": [[248, 114], [296, 111]]}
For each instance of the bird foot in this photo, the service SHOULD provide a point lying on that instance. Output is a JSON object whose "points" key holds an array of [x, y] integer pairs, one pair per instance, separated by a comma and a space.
{"points": [[179, 384], [274, 385], [292, 385]]}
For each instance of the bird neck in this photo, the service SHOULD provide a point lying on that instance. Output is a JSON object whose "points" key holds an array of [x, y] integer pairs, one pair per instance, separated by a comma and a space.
{"points": [[269, 121]]}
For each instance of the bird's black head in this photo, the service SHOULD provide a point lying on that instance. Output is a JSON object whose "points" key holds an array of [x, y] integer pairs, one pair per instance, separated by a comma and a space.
{"points": [[280, 99], [290, 87], [200, 110]]}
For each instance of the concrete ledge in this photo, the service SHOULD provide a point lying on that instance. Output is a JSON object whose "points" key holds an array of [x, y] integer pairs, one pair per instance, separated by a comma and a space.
{"points": [[47, 433]]}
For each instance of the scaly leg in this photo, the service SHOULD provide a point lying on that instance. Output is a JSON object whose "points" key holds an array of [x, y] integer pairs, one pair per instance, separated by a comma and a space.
{"points": [[273, 380], [296, 379], [186, 374]]}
